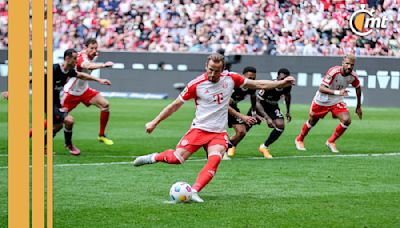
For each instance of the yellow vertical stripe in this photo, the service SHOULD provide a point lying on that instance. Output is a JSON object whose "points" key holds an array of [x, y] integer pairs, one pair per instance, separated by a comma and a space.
{"points": [[18, 114], [49, 114], [37, 113]]}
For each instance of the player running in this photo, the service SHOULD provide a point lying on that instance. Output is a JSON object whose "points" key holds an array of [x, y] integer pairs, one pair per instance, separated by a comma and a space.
{"points": [[268, 108], [329, 98], [211, 92], [236, 120], [78, 91]]}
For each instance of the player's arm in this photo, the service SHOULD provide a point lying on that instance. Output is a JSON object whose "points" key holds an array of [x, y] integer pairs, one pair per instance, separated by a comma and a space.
{"points": [[247, 119], [93, 66], [88, 77], [261, 111], [358, 108], [288, 99], [253, 100], [268, 84], [164, 114]]}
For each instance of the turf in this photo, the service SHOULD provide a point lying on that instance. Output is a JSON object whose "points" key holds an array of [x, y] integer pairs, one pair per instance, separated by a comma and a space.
{"points": [[307, 189]]}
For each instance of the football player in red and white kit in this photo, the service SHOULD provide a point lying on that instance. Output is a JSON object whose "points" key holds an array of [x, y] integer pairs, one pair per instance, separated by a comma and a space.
{"points": [[211, 92], [78, 91], [329, 98]]}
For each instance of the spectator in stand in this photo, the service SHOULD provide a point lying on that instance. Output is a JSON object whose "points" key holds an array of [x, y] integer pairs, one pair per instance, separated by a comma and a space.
{"points": [[206, 25]]}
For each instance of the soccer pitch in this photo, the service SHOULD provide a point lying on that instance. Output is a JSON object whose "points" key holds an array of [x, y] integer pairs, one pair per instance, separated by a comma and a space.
{"points": [[314, 188]]}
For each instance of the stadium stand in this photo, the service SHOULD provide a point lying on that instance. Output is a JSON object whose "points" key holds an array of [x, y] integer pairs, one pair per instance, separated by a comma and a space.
{"points": [[270, 27]]}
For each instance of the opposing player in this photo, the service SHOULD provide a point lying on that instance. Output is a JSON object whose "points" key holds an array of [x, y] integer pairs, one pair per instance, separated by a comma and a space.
{"points": [[236, 120], [61, 73], [268, 108], [329, 98], [211, 92], [78, 91]]}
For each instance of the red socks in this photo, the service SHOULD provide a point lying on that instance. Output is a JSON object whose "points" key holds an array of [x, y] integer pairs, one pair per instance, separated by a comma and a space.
{"points": [[304, 131], [340, 129], [169, 157], [208, 171], [103, 121]]}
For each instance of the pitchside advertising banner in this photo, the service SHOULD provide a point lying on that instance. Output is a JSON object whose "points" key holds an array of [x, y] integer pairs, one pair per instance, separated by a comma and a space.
{"points": [[161, 75]]}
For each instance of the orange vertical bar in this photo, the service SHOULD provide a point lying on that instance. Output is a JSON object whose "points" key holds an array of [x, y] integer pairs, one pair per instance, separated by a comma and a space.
{"points": [[18, 114], [37, 113], [49, 113]]}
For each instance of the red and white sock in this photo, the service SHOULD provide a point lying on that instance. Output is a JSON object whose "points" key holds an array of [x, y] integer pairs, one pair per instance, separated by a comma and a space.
{"points": [[340, 129], [208, 171], [170, 157], [304, 131], [104, 116]]}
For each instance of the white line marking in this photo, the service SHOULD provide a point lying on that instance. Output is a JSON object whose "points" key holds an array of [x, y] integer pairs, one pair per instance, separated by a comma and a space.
{"points": [[244, 158]]}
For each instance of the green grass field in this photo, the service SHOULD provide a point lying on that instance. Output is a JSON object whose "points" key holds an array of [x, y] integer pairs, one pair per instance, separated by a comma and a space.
{"points": [[315, 188]]}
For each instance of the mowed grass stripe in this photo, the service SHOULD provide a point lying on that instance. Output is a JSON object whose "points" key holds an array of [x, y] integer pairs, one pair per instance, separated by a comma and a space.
{"points": [[243, 158]]}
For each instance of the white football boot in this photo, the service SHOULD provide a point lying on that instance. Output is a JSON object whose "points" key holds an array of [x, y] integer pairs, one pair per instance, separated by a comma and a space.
{"points": [[145, 160], [196, 198]]}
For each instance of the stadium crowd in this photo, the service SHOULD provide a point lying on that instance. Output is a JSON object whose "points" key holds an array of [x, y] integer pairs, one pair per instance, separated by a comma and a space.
{"points": [[272, 27]]}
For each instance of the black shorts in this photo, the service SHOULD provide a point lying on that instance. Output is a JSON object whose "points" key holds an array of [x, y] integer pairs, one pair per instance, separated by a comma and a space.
{"points": [[272, 110], [58, 115], [232, 120]]}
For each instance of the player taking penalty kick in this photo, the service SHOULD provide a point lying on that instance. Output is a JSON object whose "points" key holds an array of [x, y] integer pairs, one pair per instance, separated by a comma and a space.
{"points": [[211, 92], [329, 98]]}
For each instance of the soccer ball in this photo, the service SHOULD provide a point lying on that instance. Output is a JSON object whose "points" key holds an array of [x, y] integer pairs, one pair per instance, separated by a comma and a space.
{"points": [[180, 192]]}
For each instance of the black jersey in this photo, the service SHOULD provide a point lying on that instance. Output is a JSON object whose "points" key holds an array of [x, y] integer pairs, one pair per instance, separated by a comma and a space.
{"points": [[274, 95], [60, 78], [240, 93]]}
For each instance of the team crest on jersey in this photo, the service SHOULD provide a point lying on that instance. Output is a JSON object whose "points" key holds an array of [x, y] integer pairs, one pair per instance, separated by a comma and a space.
{"points": [[184, 142]]}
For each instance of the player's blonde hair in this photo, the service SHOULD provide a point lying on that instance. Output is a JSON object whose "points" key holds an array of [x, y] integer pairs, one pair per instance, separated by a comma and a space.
{"points": [[216, 58], [350, 57]]}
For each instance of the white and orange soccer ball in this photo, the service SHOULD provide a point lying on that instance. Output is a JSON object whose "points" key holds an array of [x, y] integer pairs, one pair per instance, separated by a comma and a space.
{"points": [[180, 192]]}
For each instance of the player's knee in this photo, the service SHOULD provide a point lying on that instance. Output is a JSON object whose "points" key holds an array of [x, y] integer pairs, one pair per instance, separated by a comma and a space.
{"points": [[346, 121], [280, 126], [105, 107], [69, 120], [242, 133]]}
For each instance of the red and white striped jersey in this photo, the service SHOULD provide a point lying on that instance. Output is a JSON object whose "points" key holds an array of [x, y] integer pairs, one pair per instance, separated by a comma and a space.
{"points": [[212, 100], [335, 80], [76, 86]]}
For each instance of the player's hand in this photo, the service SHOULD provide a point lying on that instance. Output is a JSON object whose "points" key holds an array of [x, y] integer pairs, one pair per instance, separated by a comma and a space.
{"points": [[150, 126], [289, 81], [108, 64], [270, 123], [359, 112], [288, 117], [249, 120], [4, 95], [344, 92], [105, 82], [259, 118]]}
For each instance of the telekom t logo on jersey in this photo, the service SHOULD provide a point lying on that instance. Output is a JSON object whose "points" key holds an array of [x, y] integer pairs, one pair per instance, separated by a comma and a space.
{"points": [[218, 97]]}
